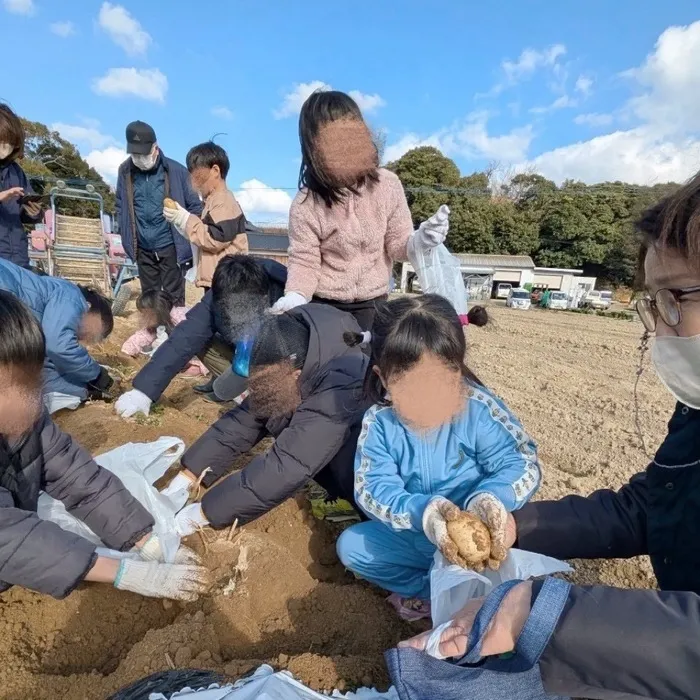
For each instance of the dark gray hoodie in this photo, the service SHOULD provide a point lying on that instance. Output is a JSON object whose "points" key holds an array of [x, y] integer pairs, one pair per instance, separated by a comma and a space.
{"points": [[317, 441]]}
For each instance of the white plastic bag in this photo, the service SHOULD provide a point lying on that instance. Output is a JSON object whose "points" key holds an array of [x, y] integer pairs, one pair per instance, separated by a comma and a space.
{"points": [[56, 401], [439, 273], [191, 275], [451, 587], [138, 466], [265, 684]]}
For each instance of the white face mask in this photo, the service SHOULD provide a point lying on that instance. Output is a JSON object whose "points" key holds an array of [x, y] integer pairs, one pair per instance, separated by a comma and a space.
{"points": [[5, 150], [145, 162], [677, 362]]}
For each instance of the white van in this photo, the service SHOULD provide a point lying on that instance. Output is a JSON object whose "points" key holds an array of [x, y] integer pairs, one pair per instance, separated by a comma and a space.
{"points": [[503, 290], [558, 300], [519, 298]]}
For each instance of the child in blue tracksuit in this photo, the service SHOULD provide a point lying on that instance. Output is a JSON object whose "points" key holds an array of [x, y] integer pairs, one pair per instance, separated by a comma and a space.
{"points": [[435, 443]]}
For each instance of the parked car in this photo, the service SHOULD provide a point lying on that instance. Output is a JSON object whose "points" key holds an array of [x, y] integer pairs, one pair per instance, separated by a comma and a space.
{"points": [[599, 300], [519, 298], [503, 290], [558, 300]]}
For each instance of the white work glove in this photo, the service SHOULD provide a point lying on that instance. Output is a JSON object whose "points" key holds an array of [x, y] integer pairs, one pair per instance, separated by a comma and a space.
{"points": [[152, 550], [190, 519], [131, 403], [494, 515], [288, 302], [178, 490], [433, 231], [156, 580], [438, 513], [177, 217]]}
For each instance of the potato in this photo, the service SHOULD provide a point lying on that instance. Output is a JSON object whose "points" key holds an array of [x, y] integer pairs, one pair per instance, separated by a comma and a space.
{"points": [[169, 203], [472, 539]]}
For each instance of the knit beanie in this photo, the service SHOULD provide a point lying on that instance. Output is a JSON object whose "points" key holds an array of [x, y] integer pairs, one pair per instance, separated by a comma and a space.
{"points": [[279, 338]]}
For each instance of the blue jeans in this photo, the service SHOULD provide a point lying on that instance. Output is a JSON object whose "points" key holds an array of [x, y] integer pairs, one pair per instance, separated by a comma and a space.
{"points": [[396, 560]]}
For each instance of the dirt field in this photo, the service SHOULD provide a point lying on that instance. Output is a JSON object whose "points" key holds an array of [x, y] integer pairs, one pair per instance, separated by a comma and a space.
{"points": [[281, 596]]}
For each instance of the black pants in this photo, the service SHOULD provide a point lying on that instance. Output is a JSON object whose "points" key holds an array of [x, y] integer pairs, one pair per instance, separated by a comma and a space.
{"points": [[363, 311], [338, 476], [159, 270]]}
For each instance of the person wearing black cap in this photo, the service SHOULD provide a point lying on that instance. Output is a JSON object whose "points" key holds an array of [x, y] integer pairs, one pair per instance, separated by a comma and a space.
{"points": [[161, 253], [305, 388]]}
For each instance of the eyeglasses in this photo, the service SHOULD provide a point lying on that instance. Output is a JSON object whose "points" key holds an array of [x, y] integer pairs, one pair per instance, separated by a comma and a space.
{"points": [[666, 305]]}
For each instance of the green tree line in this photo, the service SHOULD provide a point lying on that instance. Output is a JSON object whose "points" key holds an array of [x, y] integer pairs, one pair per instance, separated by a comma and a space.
{"points": [[574, 225]]}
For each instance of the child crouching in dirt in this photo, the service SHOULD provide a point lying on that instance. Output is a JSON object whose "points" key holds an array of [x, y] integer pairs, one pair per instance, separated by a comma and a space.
{"points": [[35, 455], [158, 317], [435, 443]]}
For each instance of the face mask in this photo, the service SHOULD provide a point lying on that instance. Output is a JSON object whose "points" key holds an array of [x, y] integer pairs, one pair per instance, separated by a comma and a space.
{"points": [[145, 162], [677, 362], [5, 150]]}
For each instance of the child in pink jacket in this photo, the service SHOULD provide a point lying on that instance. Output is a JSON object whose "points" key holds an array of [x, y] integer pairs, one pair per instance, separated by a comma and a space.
{"points": [[158, 318], [350, 220]]}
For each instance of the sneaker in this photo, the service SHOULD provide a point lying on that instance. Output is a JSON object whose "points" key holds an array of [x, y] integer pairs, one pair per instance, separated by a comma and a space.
{"points": [[205, 388], [410, 609], [211, 397]]}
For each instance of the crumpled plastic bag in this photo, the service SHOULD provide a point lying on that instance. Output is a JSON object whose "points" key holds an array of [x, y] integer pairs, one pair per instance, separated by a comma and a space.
{"points": [[191, 275], [451, 587], [138, 466], [56, 401], [265, 684]]}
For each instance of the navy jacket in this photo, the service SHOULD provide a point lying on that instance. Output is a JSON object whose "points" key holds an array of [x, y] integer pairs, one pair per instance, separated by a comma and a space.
{"points": [[59, 306], [177, 187], [153, 230], [13, 238], [613, 643], [192, 336]]}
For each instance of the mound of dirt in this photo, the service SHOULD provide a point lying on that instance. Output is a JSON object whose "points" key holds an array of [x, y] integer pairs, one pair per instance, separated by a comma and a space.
{"points": [[280, 595]]}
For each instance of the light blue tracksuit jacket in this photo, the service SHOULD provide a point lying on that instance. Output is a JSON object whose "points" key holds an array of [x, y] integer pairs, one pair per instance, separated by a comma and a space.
{"points": [[398, 472]]}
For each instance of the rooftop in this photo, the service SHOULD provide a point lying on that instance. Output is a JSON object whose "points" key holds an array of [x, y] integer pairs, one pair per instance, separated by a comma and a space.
{"points": [[277, 242], [499, 262]]}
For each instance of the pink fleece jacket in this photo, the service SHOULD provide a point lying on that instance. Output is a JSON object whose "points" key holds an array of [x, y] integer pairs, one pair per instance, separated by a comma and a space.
{"points": [[345, 252]]}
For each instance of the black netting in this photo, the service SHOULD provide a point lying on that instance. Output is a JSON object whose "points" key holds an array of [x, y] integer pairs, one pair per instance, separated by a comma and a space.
{"points": [[169, 682]]}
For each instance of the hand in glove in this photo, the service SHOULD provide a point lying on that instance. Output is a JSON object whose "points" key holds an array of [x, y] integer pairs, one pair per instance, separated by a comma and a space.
{"points": [[133, 402], [98, 388], [494, 515], [432, 232], [190, 519], [288, 302], [152, 550], [177, 217], [178, 490], [156, 580], [438, 513]]}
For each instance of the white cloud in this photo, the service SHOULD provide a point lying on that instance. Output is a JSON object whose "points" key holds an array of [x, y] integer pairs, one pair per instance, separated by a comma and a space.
{"points": [[594, 119], [63, 29], [107, 162], [222, 113], [20, 7], [263, 204], [469, 139], [87, 134], [123, 29], [367, 103], [637, 155], [560, 103], [584, 85], [145, 83], [293, 100], [531, 60]]}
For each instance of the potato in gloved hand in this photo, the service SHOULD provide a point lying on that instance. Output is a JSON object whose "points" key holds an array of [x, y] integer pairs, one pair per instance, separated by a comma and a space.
{"points": [[169, 203], [472, 539]]}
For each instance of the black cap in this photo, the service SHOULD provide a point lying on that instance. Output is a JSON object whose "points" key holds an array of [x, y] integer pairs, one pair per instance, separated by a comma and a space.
{"points": [[140, 138]]}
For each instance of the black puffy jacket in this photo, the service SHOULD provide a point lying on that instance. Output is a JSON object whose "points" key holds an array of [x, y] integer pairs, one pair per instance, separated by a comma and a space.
{"points": [[316, 442]]}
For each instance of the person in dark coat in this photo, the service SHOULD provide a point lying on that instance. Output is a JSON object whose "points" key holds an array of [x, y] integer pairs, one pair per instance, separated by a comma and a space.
{"points": [[242, 289], [306, 392], [36, 456], [613, 643], [15, 209], [145, 180], [71, 317]]}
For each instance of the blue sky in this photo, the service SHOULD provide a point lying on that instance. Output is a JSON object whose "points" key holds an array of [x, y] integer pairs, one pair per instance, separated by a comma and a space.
{"points": [[594, 90]]}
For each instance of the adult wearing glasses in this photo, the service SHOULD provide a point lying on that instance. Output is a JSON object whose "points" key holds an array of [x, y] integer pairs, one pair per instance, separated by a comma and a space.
{"points": [[614, 643]]}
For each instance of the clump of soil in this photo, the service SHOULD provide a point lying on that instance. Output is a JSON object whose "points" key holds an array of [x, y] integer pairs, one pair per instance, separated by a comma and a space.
{"points": [[281, 596]]}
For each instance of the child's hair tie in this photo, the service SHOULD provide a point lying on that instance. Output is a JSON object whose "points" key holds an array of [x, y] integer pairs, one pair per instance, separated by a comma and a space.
{"points": [[464, 319]]}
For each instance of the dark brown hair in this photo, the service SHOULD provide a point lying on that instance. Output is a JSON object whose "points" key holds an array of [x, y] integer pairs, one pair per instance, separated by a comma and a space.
{"points": [[406, 329], [161, 304], [320, 108], [11, 131], [22, 345]]}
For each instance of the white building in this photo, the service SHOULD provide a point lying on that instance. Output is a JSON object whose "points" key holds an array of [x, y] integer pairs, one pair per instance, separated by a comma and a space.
{"points": [[482, 273]]}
